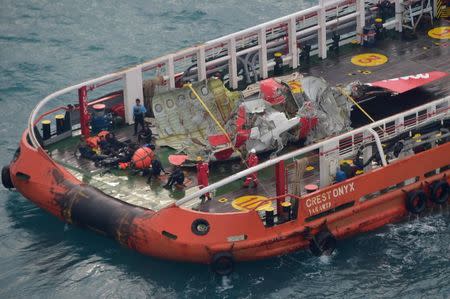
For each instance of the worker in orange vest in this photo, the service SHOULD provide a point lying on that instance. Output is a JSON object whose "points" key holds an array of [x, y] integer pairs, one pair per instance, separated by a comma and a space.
{"points": [[202, 177], [252, 160]]}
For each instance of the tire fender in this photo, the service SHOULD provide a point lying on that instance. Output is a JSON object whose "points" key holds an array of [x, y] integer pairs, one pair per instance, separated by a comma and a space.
{"points": [[323, 243], [416, 201], [6, 178], [439, 192], [222, 263]]}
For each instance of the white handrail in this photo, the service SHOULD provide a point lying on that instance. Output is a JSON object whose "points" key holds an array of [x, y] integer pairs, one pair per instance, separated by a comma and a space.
{"points": [[370, 128], [232, 40]]}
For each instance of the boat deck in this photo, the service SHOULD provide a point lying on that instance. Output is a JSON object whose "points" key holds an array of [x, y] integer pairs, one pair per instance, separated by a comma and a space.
{"points": [[405, 58]]}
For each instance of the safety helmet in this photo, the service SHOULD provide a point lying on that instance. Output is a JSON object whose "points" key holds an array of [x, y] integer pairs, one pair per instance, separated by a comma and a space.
{"points": [[199, 158], [253, 151]]}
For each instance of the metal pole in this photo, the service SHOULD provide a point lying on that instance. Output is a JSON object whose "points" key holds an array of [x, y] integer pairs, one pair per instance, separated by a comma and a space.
{"points": [[232, 65], [398, 15], [322, 32], [84, 115], [361, 17]]}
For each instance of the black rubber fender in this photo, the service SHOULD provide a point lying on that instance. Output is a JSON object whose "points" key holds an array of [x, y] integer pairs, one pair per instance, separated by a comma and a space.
{"points": [[323, 243], [416, 201], [222, 263], [439, 192], [6, 178]]}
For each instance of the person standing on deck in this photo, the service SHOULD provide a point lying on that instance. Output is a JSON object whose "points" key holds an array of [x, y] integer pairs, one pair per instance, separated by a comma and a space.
{"points": [[202, 177], [252, 160], [138, 116]]}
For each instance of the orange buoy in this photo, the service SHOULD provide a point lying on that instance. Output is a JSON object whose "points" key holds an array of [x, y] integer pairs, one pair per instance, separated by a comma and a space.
{"points": [[142, 158]]}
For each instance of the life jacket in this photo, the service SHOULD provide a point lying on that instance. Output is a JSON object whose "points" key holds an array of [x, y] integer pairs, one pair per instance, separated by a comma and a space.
{"points": [[102, 135], [93, 142]]}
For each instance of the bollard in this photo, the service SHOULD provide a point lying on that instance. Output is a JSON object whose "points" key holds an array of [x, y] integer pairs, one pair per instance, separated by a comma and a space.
{"points": [[310, 188], [269, 216], [46, 129], [278, 68], [286, 210], [60, 124]]}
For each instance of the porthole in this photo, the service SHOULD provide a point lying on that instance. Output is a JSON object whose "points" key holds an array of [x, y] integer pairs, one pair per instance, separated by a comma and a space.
{"points": [[200, 227], [170, 103], [204, 90], [158, 108]]}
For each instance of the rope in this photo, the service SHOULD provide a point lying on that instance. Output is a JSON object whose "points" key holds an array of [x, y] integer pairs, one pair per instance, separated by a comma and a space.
{"points": [[356, 104], [189, 85]]}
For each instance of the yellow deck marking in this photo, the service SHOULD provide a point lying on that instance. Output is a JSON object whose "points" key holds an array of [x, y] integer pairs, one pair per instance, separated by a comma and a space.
{"points": [[369, 59], [245, 203], [223, 199], [440, 32]]}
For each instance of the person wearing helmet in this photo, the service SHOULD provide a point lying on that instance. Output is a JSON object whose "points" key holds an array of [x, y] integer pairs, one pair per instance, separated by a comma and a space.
{"points": [[252, 160], [202, 177]]}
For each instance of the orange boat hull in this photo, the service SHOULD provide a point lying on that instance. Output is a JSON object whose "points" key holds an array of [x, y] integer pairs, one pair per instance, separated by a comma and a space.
{"points": [[168, 233]]}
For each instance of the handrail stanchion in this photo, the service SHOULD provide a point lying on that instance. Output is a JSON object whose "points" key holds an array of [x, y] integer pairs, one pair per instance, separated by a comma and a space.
{"points": [[361, 16], [262, 41], [322, 32], [232, 65], [293, 50], [171, 71], [280, 183], [84, 115]]}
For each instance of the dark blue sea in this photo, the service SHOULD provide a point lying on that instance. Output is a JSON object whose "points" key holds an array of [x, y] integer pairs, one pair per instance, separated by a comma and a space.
{"points": [[47, 45]]}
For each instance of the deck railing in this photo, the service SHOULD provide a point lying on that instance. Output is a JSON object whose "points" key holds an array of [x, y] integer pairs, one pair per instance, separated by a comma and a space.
{"points": [[251, 48], [339, 147]]}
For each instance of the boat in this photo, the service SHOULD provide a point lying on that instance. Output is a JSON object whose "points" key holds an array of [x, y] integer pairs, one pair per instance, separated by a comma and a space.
{"points": [[377, 154]]}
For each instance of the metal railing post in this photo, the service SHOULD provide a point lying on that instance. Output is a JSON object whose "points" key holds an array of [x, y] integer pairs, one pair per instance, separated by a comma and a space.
{"points": [[232, 64], [292, 34], [263, 69], [84, 115], [132, 90], [322, 32], [201, 64], [361, 17], [171, 71], [398, 15]]}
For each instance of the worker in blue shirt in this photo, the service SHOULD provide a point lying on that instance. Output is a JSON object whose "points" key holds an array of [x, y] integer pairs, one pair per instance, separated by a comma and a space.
{"points": [[138, 115]]}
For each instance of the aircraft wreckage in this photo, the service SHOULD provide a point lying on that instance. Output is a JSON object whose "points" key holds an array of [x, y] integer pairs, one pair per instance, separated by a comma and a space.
{"points": [[265, 116]]}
